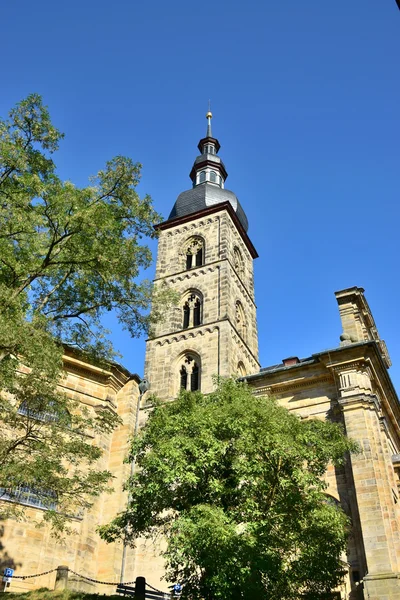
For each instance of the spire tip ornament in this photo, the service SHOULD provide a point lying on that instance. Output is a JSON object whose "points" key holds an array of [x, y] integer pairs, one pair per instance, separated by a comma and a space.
{"points": [[209, 117]]}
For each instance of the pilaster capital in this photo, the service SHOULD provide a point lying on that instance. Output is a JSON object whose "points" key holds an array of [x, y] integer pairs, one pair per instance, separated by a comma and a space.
{"points": [[353, 377], [357, 400]]}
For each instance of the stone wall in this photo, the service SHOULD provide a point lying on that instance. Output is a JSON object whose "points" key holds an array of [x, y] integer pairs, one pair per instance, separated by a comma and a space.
{"points": [[33, 550], [226, 342]]}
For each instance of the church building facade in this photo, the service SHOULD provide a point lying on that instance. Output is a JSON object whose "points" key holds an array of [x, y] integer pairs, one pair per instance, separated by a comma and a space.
{"points": [[206, 255]]}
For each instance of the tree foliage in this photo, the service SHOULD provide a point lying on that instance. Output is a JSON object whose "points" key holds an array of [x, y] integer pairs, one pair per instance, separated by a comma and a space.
{"points": [[235, 483], [67, 255]]}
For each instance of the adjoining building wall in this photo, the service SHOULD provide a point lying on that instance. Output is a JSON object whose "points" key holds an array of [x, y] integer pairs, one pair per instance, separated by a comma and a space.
{"points": [[350, 385], [31, 550]]}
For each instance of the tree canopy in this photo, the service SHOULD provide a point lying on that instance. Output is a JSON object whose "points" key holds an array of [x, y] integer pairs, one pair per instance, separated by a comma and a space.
{"points": [[235, 484], [67, 256]]}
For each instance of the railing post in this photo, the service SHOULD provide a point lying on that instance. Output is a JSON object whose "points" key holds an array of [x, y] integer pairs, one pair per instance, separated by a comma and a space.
{"points": [[140, 588], [61, 578]]}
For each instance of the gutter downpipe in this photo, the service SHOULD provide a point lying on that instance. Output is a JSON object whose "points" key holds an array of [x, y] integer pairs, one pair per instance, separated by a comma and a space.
{"points": [[144, 386]]}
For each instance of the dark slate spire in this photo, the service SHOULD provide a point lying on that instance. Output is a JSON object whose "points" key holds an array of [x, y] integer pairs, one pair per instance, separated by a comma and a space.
{"points": [[208, 176]]}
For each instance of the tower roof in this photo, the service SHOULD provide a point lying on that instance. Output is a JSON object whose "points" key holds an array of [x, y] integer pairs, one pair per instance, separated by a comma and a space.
{"points": [[208, 175], [203, 196]]}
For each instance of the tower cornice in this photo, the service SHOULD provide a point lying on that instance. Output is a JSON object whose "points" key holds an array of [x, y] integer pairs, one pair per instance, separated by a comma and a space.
{"points": [[209, 211]]}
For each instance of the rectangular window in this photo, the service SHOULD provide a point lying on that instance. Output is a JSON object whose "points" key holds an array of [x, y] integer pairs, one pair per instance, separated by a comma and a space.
{"points": [[30, 497]]}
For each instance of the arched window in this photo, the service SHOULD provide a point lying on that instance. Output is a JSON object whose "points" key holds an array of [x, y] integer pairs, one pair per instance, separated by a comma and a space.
{"points": [[189, 372], [238, 262], [213, 177], [240, 318], [241, 369], [202, 177], [192, 309], [194, 252]]}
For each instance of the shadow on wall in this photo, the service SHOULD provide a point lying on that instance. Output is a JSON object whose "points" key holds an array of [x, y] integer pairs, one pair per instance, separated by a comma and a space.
{"points": [[5, 559]]}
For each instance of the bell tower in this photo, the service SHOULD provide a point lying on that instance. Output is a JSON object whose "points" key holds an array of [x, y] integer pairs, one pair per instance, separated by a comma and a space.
{"points": [[206, 255]]}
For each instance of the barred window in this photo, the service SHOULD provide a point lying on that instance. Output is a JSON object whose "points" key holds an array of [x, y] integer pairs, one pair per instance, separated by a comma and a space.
{"points": [[48, 412], [30, 496]]}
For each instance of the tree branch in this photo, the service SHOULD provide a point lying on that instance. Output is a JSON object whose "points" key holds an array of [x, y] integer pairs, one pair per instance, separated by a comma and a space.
{"points": [[78, 313], [55, 288]]}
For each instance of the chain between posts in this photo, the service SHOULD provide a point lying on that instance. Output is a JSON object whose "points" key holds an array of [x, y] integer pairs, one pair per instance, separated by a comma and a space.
{"points": [[30, 576], [87, 579]]}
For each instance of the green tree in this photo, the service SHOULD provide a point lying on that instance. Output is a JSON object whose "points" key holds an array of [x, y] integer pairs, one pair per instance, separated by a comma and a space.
{"points": [[67, 255], [234, 483]]}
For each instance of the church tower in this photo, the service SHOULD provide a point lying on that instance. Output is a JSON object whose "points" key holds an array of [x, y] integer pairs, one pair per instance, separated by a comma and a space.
{"points": [[205, 254]]}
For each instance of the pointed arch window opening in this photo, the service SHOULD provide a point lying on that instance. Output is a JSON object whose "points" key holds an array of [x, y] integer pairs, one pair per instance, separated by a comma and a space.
{"points": [[194, 254], [238, 262], [192, 311], [189, 373], [241, 369], [240, 319]]}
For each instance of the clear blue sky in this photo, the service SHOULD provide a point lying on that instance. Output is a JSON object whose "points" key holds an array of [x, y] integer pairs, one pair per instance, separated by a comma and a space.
{"points": [[305, 97]]}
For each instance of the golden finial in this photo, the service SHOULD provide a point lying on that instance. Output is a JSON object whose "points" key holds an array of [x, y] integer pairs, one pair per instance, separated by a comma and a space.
{"points": [[209, 114]]}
